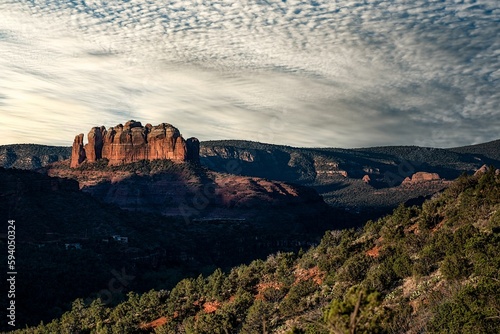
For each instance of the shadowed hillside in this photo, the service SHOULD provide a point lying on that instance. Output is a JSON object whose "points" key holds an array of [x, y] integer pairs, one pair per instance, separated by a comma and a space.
{"points": [[70, 244], [31, 156], [428, 269]]}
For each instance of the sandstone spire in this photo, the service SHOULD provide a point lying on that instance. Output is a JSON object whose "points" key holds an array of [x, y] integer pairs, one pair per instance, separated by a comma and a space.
{"points": [[77, 153]]}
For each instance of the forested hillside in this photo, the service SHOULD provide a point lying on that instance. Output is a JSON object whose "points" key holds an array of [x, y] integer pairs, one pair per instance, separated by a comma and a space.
{"points": [[69, 244], [31, 156], [432, 269]]}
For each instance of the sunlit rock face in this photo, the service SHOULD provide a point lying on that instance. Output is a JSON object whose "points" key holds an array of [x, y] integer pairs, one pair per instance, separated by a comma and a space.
{"points": [[133, 142], [77, 153]]}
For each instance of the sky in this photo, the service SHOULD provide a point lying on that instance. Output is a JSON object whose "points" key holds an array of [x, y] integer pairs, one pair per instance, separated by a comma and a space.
{"points": [[322, 73]]}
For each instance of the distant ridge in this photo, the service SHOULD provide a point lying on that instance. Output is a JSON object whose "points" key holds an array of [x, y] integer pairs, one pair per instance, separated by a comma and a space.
{"points": [[359, 180], [31, 156], [490, 149]]}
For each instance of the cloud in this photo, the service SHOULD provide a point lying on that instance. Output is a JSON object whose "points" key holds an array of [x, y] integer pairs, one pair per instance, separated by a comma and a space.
{"points": [[302, 73]]}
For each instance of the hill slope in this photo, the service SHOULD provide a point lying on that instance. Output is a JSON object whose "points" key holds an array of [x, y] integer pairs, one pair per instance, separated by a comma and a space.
{"points": [[31, 156], [365, 180], [69, 244], [429, 269], [489, 150], [189, 190]]}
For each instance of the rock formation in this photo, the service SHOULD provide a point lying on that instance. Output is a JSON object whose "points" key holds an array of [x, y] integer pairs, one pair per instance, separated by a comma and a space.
{"points": [[193, 149], [481, 170], [422, 177], [133, 142], [93, 150], [366, 178], [78, 152]]}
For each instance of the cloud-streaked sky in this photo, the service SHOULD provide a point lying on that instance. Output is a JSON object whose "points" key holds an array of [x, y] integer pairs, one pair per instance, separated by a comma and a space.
{"points": [[302, 73]]}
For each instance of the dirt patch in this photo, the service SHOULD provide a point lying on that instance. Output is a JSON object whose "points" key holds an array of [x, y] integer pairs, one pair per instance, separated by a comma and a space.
{"points": [[211, 307], [261, 287], [309, 274], [438, 226], [374, 252], [155, 323]]}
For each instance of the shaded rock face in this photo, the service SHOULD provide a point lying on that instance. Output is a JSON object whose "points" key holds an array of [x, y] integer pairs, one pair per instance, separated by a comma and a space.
{"points": [[93, 150], [193, 149], [133, 142], [179, 193]]}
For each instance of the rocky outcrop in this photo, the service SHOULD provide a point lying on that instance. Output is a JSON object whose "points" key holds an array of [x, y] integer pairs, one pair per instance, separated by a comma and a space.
{"points": [[93, 150], [481, 170], [77, 152], [422, 177], [193, 149], [133, 142], [366, 178], [125, 143]]}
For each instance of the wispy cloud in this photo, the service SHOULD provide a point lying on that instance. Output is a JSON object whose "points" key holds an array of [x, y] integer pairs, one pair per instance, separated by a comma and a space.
{"points": [[303, 73]]}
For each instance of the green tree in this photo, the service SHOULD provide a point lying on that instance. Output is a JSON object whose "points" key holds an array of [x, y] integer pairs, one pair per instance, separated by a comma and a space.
{"points": [[359, 312], [258, 318]]}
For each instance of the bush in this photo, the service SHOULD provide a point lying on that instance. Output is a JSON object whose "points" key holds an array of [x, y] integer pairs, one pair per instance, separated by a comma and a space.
{"points": [[472, 310], [296, 301], [257, 320], [402, 266], [359, 311], [455, 267], [422, 267], [380, 277], [354, 269]]}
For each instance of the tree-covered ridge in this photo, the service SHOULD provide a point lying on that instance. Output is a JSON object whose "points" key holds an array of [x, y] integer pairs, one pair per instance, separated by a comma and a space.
{"points": [[432, 269], [31, 156], [489, 149]]}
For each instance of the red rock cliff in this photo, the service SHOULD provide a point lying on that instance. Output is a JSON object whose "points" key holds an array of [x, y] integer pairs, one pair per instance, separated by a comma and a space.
{"points": [[77, 153], [133, 142]]}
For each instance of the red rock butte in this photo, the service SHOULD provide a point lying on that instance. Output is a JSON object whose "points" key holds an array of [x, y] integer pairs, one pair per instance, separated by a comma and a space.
{"points": [[133, 142]]}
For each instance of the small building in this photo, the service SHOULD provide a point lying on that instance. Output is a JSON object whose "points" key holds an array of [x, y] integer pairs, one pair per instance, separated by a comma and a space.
{"points": [[73, 246], [119, 238]]}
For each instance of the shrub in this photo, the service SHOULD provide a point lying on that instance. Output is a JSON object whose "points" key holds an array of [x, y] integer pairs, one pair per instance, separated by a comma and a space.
{"points": [[380, 277], [471, 310], [257, 320], [402, 266], [296, 301], [354, 269], [455, 266], [359, 312]]}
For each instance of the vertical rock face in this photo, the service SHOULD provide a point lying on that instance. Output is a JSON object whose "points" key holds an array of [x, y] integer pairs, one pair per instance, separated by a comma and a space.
{"points": [[162, 141], [133, 142], [125, 143], [78, 152], [93, 149], [193, 149]]}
